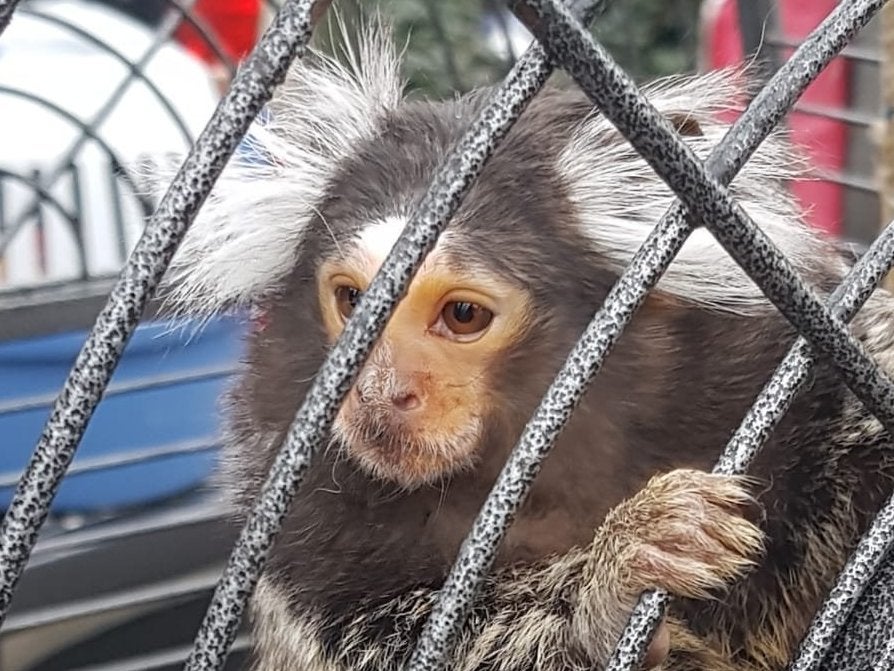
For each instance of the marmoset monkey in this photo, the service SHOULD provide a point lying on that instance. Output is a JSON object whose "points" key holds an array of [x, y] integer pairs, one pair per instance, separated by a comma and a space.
{"points": [[624, 501]]}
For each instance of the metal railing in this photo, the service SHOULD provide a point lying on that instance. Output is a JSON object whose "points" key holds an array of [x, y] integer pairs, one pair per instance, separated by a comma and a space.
{"points": [[562, 41], [37, 193]]}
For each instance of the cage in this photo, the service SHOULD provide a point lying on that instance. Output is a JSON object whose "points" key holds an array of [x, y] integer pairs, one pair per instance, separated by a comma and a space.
{"points": [[82, 248]]}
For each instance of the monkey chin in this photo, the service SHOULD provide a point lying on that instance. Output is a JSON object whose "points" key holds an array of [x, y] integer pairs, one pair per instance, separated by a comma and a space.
{"points": [[408, 459]]}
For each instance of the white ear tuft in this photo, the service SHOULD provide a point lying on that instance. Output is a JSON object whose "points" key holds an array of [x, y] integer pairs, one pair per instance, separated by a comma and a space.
{"points": [[620, 199], [248, 234]]}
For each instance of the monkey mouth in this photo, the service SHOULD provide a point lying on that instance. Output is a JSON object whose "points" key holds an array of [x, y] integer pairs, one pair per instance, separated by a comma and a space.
{"points": [[402, 455], [391, 442]]}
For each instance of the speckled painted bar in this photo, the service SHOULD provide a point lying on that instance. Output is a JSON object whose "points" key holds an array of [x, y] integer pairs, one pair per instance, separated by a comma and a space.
{"points": [[777, 396], [454, 178], [867, 643], [613, 91], [885, 660], [875, 546], [610, 88], [849, 590], [652, 259], [317, 413], [96, 362], [770, 406], [652, 135]]}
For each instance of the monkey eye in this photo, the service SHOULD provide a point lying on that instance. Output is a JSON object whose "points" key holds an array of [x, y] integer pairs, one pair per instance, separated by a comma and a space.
{"points": [[466, 318], [346, 297]]}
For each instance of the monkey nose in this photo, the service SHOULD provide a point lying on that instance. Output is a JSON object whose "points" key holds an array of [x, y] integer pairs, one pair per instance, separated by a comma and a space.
{"points": [[406, 401]]}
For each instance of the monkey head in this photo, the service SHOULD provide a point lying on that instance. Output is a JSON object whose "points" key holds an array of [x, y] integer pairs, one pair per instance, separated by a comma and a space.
{"points": [[302, 223]]}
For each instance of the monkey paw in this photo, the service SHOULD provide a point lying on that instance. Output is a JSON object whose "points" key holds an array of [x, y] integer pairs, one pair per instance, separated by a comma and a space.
{"points": [[684, 532]]}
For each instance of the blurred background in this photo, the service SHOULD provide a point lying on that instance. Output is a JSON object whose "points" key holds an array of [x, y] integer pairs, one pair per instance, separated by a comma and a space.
{"points": [[137, 538]]}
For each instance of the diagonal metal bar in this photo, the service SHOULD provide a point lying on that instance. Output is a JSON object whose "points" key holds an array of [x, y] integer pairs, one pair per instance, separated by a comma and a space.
{"points": [[585, 360], [885, 660], [641, 275], [707, 200], [314, 418], [559, 35], [432, 243], [263, 71], [768, 409], [858, 572], [867, 641], [770, 406], [793, 373]]}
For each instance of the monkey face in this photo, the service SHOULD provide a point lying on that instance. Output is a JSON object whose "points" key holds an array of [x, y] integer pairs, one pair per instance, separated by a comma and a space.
{"points": [[559, 209], [418, 409]]}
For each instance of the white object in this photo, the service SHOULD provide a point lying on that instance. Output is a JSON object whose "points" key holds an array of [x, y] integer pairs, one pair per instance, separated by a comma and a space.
{"points": [[61, 67]]}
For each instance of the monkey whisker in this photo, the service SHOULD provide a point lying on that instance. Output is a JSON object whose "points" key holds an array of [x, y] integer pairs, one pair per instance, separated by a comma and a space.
{"points": [[322, 217]]}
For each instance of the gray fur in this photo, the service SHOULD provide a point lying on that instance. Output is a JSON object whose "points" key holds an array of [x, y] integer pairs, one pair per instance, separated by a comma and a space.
{"points": [[543, 215]]}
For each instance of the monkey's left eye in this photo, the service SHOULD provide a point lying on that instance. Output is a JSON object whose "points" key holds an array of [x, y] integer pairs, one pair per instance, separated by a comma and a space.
{"points": [[466, 318], [346, 297]]}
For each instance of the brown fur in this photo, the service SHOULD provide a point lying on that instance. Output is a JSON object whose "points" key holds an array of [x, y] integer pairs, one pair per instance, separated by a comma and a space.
{"points": [[682, 532], [360, 557]]}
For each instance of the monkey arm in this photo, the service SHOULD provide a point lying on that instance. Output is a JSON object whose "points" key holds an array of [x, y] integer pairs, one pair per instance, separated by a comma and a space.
{"points": [[682, 532]]}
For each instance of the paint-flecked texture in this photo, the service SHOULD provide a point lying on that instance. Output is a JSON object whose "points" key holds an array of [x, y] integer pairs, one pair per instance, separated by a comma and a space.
{"points": [[317, 412], [776, 399], [346, 532], [98, 358], [709, 202]]}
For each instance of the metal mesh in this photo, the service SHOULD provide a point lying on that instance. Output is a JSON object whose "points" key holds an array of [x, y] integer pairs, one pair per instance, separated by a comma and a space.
{"points": [[700, 188]]}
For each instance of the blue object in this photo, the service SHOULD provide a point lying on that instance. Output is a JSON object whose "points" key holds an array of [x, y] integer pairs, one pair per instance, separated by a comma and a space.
{"points": [[163, 396]]}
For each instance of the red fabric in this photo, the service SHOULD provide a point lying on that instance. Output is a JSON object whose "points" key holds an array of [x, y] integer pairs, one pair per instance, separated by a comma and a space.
{"points": [[823, 140], [233, 22]]}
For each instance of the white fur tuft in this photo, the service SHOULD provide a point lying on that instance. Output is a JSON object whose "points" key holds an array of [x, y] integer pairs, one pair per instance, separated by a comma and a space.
{"points": [[620, 199], [249, 231]]}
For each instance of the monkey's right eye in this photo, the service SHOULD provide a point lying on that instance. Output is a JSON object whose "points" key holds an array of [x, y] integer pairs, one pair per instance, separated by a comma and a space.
{"points": [[346, 297]]}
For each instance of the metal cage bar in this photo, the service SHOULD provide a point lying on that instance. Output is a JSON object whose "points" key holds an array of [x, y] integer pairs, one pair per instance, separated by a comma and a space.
{"points": [[850, 586], [641, 274], [866, 641], [615, 94], [262, 72], [313, 419]]}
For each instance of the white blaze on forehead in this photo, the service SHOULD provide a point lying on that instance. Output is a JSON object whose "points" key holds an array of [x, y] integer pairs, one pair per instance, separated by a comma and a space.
{"points": [[378, 238]]}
